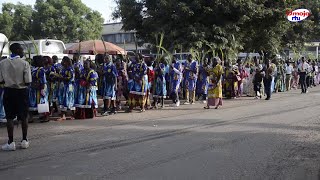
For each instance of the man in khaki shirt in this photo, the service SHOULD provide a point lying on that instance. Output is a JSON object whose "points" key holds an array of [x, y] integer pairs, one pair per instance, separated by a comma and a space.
{"points": [[15, 74]]}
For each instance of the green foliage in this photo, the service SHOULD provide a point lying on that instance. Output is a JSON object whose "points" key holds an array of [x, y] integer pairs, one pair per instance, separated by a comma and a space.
{"points": [[67, 20], [230, 26]]}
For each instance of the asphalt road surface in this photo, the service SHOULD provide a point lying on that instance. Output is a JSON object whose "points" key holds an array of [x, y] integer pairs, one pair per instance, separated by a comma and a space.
{"points": [[246, 139]]}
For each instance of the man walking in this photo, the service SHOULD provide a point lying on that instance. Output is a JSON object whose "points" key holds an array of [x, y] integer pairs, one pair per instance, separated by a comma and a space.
{"points": [[15, 74], [303, 68], [289, 71], [269, 71]]}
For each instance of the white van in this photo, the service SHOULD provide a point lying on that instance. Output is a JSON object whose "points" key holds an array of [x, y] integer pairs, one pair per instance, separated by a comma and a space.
{"points": [[46, 47], [4, 45]]}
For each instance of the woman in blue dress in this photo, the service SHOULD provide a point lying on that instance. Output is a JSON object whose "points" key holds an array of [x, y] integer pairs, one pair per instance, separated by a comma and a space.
{"points": [[52, 83], [110, 75], [203, 82], [66, 89], [139, 89], [88, 104], [78, 68], [176, 74], [38, 91], [160, 84]]}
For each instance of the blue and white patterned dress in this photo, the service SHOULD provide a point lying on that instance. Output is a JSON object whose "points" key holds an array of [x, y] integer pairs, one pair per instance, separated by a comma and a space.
{"points": [[176, 77], [140, 85], [66, 89], [36, 94], [88, 97], [109, 81], [203, 81], [191, 76], [77, 87], [161, 85]]}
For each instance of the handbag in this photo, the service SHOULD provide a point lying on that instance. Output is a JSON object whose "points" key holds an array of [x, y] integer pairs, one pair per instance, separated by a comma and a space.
{"points": [[43, 108]]}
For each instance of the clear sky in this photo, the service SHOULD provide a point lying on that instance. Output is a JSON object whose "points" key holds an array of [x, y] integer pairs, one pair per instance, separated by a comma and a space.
{"points": [[105, 7]]}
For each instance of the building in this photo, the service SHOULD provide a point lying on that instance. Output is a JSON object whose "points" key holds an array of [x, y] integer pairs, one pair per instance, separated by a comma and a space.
{"points": [[113, 32]]}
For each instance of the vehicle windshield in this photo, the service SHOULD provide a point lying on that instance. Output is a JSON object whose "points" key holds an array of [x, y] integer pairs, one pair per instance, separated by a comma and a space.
{"points": [[5, 49], [52, 47]]}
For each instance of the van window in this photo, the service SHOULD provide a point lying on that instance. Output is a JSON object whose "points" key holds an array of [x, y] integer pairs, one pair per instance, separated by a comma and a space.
{"points": [[52, 47], [29, 46]]}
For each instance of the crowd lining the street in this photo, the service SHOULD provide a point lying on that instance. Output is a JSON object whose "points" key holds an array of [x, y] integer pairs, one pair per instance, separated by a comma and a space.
{"points": [[46, 86], [144, 83]]}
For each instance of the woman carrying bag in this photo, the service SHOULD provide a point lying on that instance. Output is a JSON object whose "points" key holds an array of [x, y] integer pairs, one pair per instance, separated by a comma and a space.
{"points": [[38, 97]]}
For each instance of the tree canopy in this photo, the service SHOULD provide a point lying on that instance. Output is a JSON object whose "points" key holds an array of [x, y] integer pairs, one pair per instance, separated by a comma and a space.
{"points": [[67, 20], [231, 25]]}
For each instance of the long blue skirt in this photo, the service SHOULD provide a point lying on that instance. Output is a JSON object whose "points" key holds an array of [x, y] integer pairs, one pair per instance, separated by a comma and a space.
{"points": [[77, 92], [53, 91], [109, 91], [66, 96], [161, 88], [35, 98], [190, 84], [90, 99], [140, 88]]}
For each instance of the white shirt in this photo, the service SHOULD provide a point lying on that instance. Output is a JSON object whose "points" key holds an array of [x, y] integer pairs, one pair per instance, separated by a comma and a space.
{"points": [[289, 69], [303, 67]]}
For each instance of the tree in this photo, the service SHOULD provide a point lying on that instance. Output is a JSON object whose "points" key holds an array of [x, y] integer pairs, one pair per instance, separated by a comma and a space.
{"points": [[61, 19], [230, 25], [68, 20], [16, 20]]}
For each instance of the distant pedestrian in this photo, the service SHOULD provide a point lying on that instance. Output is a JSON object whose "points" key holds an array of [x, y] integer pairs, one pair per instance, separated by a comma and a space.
{"points": [[303, 69], [15, 74], [289, 72], [257, 82], [269, 71]]}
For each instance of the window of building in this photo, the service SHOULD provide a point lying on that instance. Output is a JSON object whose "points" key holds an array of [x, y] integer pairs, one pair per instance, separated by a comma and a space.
{"points": [[119, 38]]}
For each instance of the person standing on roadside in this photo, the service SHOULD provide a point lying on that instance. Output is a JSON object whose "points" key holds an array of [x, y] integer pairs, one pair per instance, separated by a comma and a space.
{"points": [[15, 74], [269, 70], [289, 71], [191, 75], [303, 69]]}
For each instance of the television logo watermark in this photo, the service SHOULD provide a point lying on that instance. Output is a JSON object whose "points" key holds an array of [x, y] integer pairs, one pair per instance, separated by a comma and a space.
{"points": [[298, 15]]}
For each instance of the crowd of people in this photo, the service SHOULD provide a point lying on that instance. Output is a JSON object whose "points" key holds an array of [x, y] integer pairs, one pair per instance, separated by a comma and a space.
{"points": [[46, 86], [142, 83]]}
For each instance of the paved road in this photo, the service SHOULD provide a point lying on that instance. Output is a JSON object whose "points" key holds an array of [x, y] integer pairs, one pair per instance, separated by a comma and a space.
{"points": [[246, 139]]}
